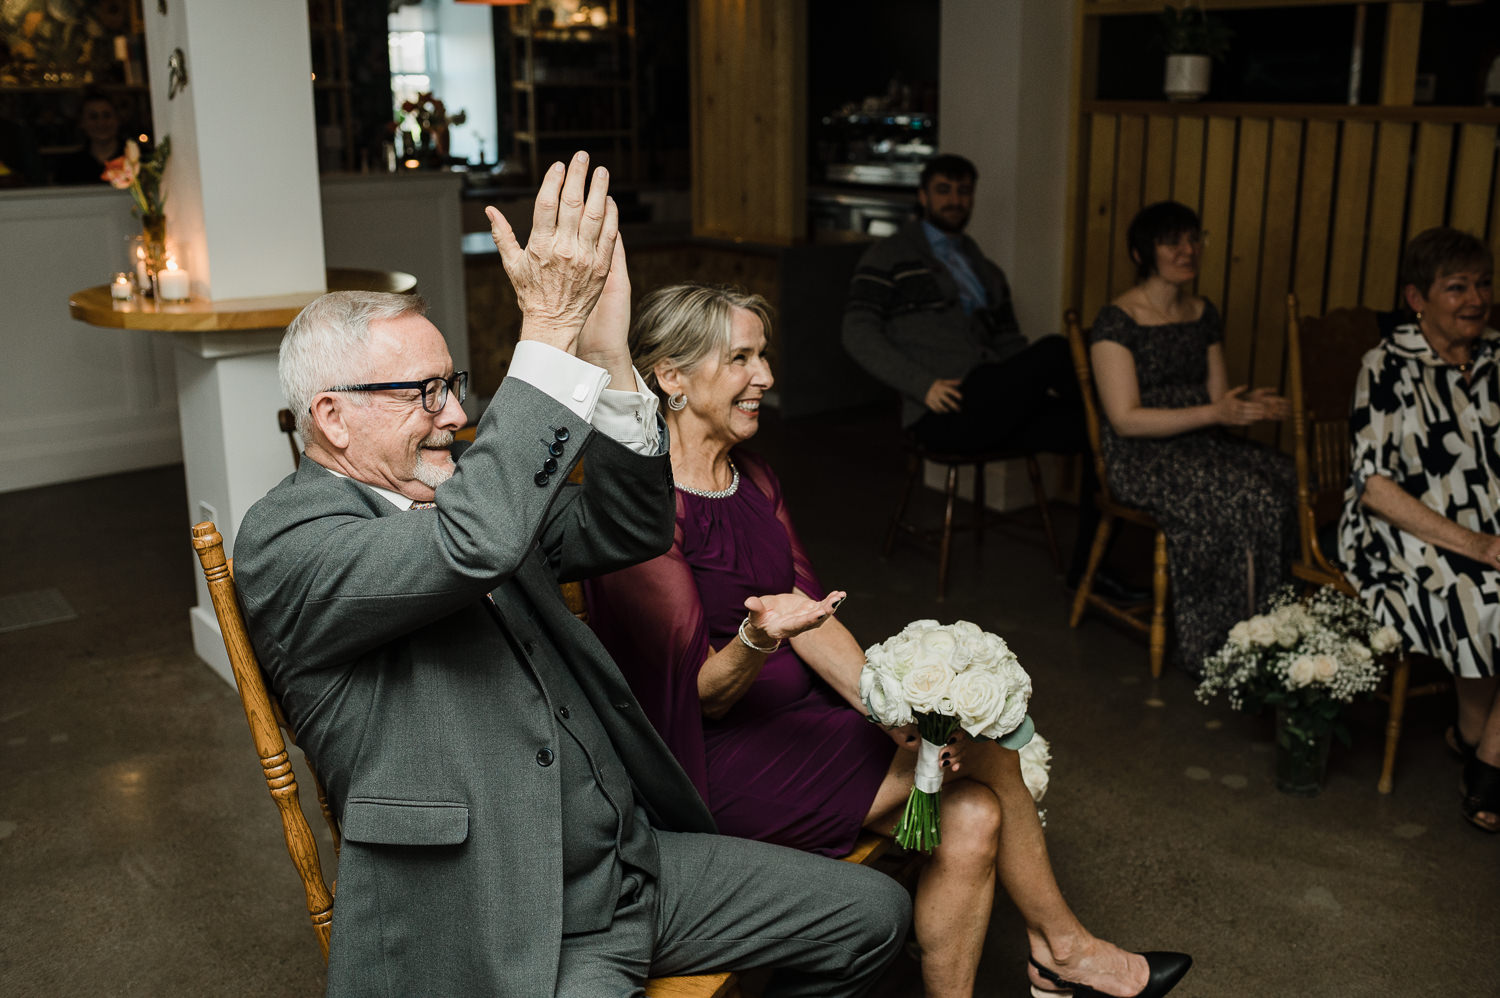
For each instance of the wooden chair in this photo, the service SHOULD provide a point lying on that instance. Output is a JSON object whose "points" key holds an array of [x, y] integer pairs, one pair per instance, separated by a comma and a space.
{"points": [[1151, 619], [1323, 356], [269, 731], [916, 455]]}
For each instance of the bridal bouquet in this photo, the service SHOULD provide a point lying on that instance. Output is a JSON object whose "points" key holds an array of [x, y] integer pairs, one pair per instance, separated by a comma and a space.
{"points": [[944, 677]]}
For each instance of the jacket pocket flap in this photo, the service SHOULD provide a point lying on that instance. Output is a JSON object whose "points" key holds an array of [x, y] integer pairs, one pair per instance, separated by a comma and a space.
{"points": [[405, 822]]}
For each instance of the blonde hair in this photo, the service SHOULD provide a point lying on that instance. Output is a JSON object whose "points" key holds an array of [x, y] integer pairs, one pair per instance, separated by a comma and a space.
{"points": [[325, 345], [683, 324]]}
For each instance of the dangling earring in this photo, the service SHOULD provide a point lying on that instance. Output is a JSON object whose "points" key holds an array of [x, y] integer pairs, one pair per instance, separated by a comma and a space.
{"points": [[1419, 316], [677, 402]]}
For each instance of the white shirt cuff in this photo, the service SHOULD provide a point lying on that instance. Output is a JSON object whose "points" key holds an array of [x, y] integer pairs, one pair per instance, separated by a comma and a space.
{"points": [[628, 416], [574, 383]]}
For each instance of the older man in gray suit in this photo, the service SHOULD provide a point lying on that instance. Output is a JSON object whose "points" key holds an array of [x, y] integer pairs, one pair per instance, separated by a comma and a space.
{"points": [[512, 824]]}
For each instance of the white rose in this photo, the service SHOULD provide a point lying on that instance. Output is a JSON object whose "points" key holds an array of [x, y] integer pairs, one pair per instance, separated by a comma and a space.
{"points": [[937, 647], [894, 655], [883, 695], [1324, 667], [965, 628], [978, 699], [926, 686], [1260, 631], [1017, 685], [1287, 623], [1358, 652], [1239, 634], [1036, 763], [1385, 640], [1302, 672], [919, 627]]}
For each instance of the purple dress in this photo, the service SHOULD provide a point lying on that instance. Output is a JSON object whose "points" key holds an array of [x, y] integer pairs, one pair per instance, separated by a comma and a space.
{"points": [[791, 762]]}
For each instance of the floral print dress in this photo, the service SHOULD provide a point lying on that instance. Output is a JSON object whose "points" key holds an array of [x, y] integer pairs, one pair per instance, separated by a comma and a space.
{"points": [[1226, 505], [1417, 422]]}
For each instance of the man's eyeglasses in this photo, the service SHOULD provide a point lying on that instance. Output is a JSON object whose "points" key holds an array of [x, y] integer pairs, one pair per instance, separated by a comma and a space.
{"points": [[434, 390]]}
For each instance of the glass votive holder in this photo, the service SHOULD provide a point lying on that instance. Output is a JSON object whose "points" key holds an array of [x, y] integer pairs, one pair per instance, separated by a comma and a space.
{"points": [[121, 288]]}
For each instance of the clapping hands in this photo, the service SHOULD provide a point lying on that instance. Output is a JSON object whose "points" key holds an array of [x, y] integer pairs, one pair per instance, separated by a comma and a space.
{"points": [[1239, 407], [560, 273]]}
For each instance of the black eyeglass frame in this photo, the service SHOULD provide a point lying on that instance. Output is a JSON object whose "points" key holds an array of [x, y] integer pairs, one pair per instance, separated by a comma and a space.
{"points": [[458, 384]]}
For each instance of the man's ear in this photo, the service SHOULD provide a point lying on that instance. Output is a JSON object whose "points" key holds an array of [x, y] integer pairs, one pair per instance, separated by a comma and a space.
{"points": [[328, 421]]}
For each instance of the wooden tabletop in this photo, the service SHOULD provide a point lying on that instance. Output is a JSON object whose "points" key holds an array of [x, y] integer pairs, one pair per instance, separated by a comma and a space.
{"points": [[96, 307]]}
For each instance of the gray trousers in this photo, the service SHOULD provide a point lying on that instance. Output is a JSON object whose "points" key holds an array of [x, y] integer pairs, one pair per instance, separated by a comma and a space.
{"points": [[723, 903]]}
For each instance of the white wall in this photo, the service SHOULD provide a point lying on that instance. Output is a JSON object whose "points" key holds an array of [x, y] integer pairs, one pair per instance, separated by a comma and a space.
{"points": [[81, 401], [1003, 103]]}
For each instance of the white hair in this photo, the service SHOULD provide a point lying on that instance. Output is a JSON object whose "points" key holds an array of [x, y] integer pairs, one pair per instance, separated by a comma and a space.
{"points": [[326, 345]]}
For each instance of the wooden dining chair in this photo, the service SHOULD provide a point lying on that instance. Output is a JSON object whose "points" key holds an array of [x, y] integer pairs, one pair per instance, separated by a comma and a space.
{"points": [[1323, 358], [1149, 619]]}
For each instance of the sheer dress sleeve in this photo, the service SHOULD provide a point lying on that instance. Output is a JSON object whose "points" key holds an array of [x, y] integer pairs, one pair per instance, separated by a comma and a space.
{"points": [[761, 475], [650, 619]]}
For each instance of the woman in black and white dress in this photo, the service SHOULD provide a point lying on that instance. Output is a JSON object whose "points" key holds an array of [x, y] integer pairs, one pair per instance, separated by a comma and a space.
{"points": [[1420, 534]]}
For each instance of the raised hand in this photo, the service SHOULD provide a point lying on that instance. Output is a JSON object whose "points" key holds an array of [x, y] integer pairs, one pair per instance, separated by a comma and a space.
{"points": [[604, 340], [787, 615], [559, 274]]}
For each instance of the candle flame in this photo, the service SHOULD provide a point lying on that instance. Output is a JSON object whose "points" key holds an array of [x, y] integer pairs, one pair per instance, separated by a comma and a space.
{"points": [[171, 263]]}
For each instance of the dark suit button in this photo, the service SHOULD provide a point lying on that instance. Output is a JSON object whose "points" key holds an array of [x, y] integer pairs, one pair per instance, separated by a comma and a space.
{"points": [[544, 757], [549, 465], [561, 433], [563, 713], [622, 705], [555, 449], [541, 478]]}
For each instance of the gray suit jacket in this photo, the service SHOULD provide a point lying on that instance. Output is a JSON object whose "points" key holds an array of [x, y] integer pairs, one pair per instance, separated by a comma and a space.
{"points": [[413, 696]]}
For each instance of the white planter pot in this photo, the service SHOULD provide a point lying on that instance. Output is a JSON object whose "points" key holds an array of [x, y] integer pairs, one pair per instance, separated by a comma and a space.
{"points": [[1187, 76]]}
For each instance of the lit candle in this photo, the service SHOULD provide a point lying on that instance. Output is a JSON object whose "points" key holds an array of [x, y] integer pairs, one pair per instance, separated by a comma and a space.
{"points": [[142, 275], [121, 290], [172, 284]]}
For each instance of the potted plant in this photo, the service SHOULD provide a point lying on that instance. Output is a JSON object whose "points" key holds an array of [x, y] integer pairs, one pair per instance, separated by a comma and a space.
{"points": [[1306, 659], [1192, 40]]}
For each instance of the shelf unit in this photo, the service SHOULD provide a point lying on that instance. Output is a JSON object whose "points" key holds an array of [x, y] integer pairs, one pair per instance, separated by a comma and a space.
{"points": [[575, 83], [331, 97]]}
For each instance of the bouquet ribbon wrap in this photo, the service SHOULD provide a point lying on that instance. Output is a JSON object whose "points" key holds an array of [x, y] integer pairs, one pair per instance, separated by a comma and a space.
{"points": [[919, 826]]}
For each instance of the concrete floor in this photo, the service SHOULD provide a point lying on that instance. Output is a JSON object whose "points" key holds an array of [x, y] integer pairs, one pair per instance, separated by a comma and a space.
{"points": [[140, 855]]}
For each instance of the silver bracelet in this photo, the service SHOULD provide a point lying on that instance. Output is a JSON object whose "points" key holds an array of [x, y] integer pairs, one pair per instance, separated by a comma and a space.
{"points": [[752, 645]]}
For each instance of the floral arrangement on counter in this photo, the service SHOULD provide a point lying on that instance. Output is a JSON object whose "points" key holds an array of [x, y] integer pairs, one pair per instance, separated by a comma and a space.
{"points": [[945, 677], [142, 178]]}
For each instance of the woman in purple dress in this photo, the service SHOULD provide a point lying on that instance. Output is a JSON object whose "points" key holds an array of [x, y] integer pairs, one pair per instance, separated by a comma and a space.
{"points": [[758, 695]]}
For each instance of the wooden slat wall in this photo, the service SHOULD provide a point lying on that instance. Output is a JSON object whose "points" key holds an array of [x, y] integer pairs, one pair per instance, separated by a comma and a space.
{"points": [[1310, 204], [749, 134]]}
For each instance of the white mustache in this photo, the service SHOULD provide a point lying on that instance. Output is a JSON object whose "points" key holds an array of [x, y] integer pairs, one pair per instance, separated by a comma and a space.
{"points": [[442, 438]]}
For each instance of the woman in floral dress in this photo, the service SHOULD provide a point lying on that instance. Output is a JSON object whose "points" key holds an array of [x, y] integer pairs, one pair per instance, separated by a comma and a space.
{"points": [[1420, 534], [1226, 505]]}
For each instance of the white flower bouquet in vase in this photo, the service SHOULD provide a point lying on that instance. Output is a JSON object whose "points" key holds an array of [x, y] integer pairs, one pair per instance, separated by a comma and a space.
{"points": [[944, 677]]}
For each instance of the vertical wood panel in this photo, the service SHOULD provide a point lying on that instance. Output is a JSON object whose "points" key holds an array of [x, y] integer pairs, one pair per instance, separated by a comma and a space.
{"points": [[1100, 208], [1187, 163], [1158, 182], [1319, 150], [1387, 203], [1471, 177], [748, 67], [1128, 179], [1346, 262], [1244, 258], [1429, 176], [1218, 191], [1276, 256], [1403, 37], [1495, 217]]}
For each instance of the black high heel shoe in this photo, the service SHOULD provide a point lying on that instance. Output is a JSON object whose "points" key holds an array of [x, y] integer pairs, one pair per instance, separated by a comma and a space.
{"points": [[1166, 970]]}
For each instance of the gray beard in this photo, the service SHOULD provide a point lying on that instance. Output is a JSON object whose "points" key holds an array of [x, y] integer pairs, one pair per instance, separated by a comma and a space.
{"points": [[431, 475]]}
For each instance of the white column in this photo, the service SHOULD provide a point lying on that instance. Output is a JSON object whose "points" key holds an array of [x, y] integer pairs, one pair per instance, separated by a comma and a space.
{"points": [[243, 179]]}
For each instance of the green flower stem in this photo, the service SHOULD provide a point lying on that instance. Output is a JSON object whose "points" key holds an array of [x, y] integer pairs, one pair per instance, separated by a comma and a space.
{"points": [[919, 828]]}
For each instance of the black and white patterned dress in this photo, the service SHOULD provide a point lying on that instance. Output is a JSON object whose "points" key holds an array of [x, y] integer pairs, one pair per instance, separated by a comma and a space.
{"points": [[1223, 502], [1415, 421]]}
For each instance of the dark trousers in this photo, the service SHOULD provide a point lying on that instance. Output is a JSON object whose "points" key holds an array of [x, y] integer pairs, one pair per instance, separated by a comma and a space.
{"points": [[723, 903], [1030, 402]]}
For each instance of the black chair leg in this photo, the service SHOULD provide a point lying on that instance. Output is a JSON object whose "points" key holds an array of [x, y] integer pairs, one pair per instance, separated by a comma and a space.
{"points": [[946, 544], [1034, 470]]}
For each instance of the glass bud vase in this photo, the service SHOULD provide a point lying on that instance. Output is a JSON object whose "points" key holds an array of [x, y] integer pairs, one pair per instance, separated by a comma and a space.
{"points": [[1301, 757], [154, 239]]}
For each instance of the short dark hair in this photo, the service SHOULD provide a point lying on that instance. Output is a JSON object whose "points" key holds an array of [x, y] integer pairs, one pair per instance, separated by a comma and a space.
{"points": [[1162, 222], [948, 165], [1439, 251]]}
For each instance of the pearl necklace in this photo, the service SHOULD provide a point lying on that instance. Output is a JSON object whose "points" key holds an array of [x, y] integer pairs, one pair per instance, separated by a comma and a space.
{"points": [[734, 486]]}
